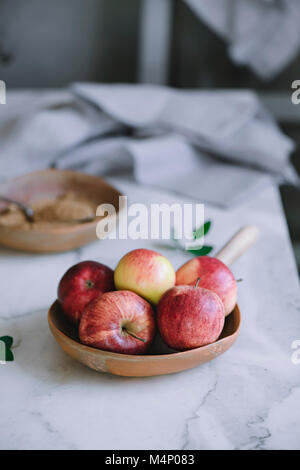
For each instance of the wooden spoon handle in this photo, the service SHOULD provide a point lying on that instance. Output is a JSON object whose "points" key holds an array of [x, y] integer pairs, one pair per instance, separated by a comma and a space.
{"points": [[238, 244]]}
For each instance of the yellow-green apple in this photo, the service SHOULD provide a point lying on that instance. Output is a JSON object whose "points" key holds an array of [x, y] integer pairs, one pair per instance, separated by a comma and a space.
{"points": [[82, 283], [214, 275], [119, 321], [145, 272], [189, 317]]}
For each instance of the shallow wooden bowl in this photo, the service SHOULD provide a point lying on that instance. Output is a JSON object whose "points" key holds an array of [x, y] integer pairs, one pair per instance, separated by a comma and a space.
{"points": [[51, 184], [158, 362], [160, 359]]}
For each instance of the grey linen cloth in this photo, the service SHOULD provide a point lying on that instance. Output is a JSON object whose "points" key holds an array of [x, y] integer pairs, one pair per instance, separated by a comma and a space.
{"points": [[214, 146], [263, 34]]}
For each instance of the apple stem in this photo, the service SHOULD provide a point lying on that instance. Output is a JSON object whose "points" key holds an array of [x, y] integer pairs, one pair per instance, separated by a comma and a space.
{"points": [[197, 282], [133, 335], [239, 280]]}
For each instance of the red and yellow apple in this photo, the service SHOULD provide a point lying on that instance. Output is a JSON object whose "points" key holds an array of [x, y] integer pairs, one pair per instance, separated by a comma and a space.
{"points": [[119, 321], [189, 317], [81, 284], [214, 275], [146, 273]]}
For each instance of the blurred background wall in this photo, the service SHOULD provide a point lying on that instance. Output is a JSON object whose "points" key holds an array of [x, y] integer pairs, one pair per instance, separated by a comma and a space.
{"points": [[52, 43]]}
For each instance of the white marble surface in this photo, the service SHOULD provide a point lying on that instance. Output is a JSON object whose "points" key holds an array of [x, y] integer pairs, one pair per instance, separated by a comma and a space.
{"points": [[246, 399]]}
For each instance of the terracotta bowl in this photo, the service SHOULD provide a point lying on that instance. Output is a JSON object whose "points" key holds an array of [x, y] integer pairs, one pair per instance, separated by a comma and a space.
{"points": [[50, 184], [159, 361]]}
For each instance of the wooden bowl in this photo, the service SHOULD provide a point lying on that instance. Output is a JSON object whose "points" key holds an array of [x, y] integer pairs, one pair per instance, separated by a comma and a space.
{"points": [[49, 184], [154, 363]]}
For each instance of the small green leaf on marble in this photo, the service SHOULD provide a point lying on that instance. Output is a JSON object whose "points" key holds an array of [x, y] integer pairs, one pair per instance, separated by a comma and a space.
{"points": [[201, 231], [7, 354], [201, 251]]}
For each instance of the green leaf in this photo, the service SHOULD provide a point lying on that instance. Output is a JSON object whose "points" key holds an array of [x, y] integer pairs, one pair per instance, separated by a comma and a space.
{"points": [[202, 251], [8, 340], [201, 231], [9, 355]]}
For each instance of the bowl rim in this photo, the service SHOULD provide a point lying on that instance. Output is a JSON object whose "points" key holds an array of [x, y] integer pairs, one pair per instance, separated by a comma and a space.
{"points": [[136, 357], [58, 229]]}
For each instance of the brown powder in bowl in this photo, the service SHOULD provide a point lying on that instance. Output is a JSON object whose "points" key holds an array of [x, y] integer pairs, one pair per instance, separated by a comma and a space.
{"points": [[12, 217], [66, 208]]}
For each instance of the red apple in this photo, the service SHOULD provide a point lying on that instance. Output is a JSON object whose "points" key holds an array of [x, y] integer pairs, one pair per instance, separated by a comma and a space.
{"points": [[119, 321], [81, 284], [214, 275], [145, 272], [189, 317]]}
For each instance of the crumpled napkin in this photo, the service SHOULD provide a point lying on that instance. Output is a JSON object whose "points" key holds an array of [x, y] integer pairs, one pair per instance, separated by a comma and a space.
{"points": [[263, 34], [215, 146]]}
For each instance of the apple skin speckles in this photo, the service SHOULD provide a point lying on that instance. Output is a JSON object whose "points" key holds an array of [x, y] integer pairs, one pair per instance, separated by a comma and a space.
{"points": [[214, 275], [189, 317], [81, 284], [146, 273], [119, 321]]}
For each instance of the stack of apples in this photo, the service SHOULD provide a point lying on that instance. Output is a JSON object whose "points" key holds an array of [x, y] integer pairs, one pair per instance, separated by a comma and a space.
{"points": [[120, 310]]}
